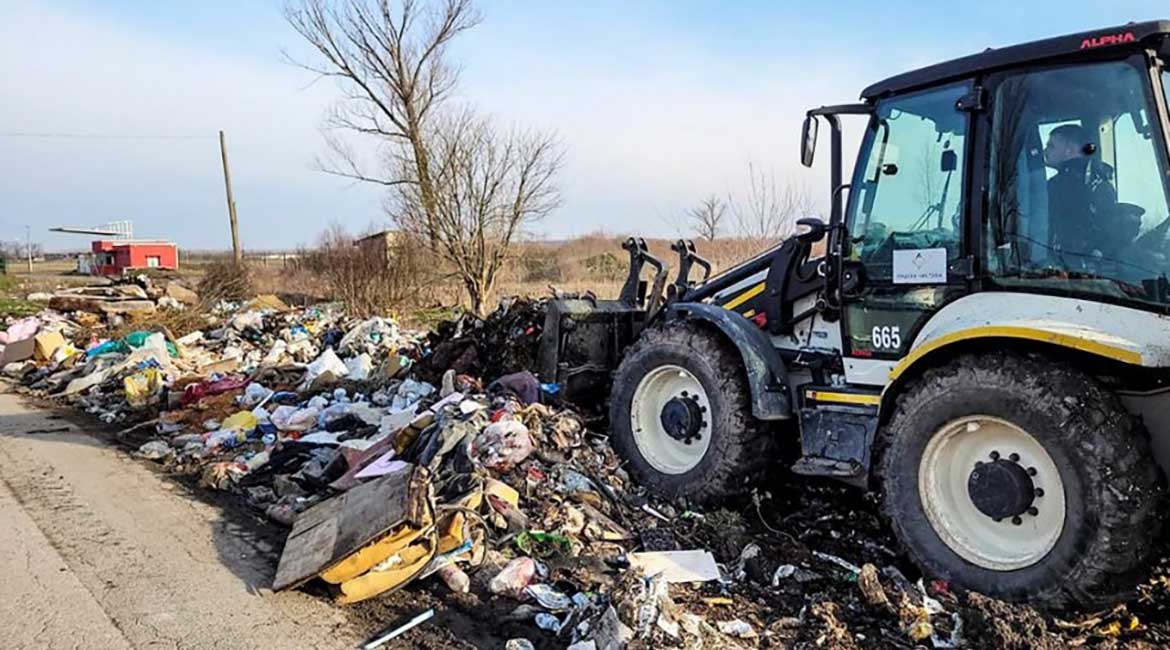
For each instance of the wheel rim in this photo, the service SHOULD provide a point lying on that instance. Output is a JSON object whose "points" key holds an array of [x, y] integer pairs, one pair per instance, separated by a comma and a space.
{"points": [[662, 450], [952, 474]]}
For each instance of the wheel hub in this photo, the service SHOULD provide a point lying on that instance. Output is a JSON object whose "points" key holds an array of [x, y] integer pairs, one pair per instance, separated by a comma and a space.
{"points": [[1001, 489], [682, 418], [992, 492], [670, 419]]}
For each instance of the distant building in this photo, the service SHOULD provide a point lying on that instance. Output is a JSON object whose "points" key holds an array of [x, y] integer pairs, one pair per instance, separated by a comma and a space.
{"points": [[382, 243], [116, 257]]}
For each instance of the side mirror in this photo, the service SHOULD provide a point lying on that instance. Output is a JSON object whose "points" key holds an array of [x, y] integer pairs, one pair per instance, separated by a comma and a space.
{"points": [[949, 161], [808, 140], [816, 230]]}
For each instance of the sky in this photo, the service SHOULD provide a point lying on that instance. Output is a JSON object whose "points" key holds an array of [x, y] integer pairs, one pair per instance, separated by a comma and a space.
{"points": [[111, 109]]}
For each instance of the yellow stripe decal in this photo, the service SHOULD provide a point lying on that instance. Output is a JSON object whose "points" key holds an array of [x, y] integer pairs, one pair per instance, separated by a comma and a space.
{"points": [[844, 398], [744, 297], [749, 313], [1006, 331]]}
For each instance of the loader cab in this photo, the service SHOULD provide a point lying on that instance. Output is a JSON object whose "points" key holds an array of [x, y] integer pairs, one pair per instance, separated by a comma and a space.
{"points": [[1038, 169]]}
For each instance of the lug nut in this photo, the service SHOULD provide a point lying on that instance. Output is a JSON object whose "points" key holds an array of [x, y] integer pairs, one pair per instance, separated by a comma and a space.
{"points": [[702, 409], [684, 393], [1039, 492], [1017, 521], [995, 455], [1033, 511], [1015, 458], [1031, 471], [978, 463]]}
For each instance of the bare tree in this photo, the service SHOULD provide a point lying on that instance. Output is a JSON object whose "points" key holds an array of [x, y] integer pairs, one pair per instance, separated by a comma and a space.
{"points": [[707, 217], [488, 184], [769, 210], [18, 250], [456, 181]]}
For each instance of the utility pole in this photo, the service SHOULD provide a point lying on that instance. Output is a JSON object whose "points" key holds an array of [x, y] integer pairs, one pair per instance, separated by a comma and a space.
{"points": [[28, 246], [237, 254]]}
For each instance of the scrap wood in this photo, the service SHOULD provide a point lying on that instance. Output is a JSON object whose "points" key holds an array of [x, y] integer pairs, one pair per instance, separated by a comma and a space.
{"points": [[335, 528]]}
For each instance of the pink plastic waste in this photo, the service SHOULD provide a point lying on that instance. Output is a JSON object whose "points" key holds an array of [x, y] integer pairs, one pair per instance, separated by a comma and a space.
{"points": [[195, 392], [502, 445], [514, 578]]}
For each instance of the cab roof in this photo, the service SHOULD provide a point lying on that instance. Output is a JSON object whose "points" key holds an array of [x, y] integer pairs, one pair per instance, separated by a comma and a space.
{"points": [[990, 59]]}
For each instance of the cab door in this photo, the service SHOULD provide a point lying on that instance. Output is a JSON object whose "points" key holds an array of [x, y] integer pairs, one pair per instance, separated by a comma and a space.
{"points": [[906, 224]]}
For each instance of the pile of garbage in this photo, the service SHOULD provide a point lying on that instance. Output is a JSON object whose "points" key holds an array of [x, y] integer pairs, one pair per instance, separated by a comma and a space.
{"points": [[439, 462]]}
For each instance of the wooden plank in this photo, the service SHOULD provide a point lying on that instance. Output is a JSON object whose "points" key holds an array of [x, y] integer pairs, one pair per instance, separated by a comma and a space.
{"points": [[335, 528], [309, 549]]}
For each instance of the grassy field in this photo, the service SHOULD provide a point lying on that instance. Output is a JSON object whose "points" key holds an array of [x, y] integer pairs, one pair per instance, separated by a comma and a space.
{"points": [[593, 263]]}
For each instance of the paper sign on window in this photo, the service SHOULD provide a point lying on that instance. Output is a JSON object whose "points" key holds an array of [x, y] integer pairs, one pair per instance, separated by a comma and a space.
{"points": [[920, 266]]}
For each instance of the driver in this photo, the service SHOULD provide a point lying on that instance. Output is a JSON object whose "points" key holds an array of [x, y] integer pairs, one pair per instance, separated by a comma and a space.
{"points": [[1082, 203]]}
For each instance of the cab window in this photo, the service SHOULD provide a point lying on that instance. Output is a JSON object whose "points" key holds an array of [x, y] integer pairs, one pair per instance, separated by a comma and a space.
{"points": [[908, 188], [1077, 193]]}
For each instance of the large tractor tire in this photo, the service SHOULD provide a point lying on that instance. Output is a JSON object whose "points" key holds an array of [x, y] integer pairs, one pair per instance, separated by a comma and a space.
{"points": [[1023, 479], [680, 412]]}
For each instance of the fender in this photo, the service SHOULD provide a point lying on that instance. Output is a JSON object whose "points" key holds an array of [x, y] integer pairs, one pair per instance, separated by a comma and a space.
{"points": [[766, 374], [1122, 334]]}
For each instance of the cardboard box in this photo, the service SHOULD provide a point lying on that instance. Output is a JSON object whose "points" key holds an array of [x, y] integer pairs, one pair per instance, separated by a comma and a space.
{"points": [[46, 344], [18, 351]]}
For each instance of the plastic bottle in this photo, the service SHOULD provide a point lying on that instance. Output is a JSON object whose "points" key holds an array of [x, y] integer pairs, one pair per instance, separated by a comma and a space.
{"points": [[455, 579]]}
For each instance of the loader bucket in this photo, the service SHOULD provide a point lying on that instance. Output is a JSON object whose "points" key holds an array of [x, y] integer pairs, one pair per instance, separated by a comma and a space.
{"points": [[582, 344]]}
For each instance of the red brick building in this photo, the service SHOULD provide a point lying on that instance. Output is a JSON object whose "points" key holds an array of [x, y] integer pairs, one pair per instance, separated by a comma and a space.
{"points": [[113, 257]]}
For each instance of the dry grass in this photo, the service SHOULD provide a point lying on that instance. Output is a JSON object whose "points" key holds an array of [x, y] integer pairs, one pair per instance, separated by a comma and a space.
{"points": [[371, 278], [597, 263], [173, 322], [226, 281], [406, 281]]}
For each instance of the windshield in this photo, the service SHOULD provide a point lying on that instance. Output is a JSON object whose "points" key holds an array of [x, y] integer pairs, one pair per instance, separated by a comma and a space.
{"points": [[1077, 184], [908, 186]]}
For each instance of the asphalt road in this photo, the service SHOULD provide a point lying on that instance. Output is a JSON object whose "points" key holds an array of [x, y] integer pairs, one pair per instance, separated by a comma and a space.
{"points": [[101, 552]]}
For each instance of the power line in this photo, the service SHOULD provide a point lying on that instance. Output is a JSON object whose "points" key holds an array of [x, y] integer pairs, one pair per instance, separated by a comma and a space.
{"points": [[105, 136]]}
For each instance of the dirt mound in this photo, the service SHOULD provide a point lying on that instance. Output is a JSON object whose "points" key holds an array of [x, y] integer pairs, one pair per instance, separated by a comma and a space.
{"points": [[997, 624]]}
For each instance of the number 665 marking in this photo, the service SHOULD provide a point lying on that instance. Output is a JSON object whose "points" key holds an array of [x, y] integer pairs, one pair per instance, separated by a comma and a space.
{"points": [[887, 337]]}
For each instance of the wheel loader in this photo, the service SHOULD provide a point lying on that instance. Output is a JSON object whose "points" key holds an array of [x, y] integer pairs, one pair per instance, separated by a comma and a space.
{"points": [[982, 337]]}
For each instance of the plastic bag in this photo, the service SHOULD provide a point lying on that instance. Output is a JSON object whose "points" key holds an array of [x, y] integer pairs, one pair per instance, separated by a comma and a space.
{"points": [[254, 394], [244, 421], [502, 445], [225, 439], [143, 387], [514, 578], [141, 338], [358, 368], [155, 450], [327, 363], [195, 392], [291, 418], [105, 347], [409, 393]]}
